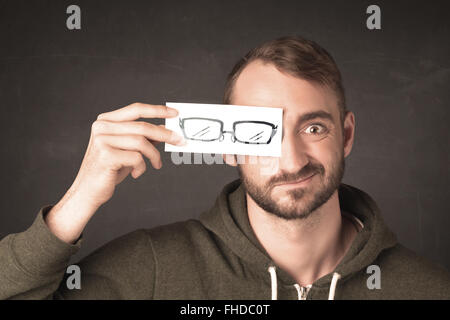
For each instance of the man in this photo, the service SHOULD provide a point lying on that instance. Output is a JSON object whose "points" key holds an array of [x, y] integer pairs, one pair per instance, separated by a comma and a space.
{"points": [[297, 233]]}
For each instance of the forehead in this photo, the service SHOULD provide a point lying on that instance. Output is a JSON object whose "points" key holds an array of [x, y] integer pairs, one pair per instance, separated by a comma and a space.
{"points": [[262, 84]]}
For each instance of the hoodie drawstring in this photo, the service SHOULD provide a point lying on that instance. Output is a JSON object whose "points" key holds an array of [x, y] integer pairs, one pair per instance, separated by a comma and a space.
{"points": [[274, 283], [302, 291], [334, 280], [273, 280]]}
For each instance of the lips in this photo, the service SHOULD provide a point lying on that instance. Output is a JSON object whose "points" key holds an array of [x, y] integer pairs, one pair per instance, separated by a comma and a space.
{"points": [[295, 182]]}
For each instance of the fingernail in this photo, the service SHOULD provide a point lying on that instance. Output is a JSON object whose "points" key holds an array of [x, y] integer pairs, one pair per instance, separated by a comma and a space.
{"points": [[181, 142], [173, 112], [178, 139]]}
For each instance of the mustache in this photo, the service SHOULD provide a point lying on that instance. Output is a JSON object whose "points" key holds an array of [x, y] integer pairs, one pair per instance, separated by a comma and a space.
{"points": [[288, 177]]}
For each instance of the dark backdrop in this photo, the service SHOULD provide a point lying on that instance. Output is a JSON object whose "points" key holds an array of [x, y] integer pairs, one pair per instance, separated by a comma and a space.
{"points": [[54, 82]]}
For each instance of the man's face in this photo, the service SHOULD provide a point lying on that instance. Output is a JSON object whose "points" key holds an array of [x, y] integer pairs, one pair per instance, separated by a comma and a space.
{"points": [[312, 146]]}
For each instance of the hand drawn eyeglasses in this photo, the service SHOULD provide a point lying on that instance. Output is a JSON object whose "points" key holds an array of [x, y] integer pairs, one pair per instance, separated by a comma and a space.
{"points": [[207, 129]]}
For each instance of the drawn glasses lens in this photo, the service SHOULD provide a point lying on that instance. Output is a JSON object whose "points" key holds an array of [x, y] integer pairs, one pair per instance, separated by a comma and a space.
{"points": [[202, 129], [253, 132]]}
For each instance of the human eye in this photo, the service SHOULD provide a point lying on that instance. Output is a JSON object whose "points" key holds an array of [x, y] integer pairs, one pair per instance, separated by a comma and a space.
{"points": [[316, 129]]}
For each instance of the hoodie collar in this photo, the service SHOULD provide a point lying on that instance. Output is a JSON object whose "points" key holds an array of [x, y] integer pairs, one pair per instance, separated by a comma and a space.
{"points": [[228, 219]]}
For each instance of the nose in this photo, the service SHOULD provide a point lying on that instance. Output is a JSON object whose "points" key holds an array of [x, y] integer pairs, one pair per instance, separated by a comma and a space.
{"points": [[293, 154]]}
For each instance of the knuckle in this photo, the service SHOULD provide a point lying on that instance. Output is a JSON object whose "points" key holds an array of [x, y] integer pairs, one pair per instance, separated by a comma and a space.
{"points": [[137, 158], [142, 127], [156, 153], [152, 154], [104, 154], [96, 127], [99, 140], [135, 106], [159, 133], [131, 107], [142, 142]]}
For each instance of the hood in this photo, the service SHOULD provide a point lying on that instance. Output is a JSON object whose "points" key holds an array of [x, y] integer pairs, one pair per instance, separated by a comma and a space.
{"points": [[228, 219]]}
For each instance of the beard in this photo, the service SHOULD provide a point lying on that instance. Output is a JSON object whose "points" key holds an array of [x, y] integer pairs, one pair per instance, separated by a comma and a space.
{"points": [[303, 200]]}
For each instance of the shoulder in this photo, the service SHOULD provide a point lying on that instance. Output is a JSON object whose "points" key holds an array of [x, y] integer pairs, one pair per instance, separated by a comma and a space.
{"points": [[175, 229], [403, 259], [406, 271], [126, 249], [183, 236]]}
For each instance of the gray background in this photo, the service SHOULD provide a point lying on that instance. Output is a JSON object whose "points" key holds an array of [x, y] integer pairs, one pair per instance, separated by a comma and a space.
{"points": [[54, 82]]}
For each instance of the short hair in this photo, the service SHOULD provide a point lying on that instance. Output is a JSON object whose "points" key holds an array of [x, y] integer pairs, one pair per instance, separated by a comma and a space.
{"points": [[296, 56]]}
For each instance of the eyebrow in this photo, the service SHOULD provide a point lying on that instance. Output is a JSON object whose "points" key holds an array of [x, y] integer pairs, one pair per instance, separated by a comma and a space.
{"points": [[314, 115]]}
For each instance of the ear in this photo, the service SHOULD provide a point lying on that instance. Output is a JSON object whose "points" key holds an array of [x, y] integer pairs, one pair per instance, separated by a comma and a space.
{"points": [[230, 159], [349, 132]]}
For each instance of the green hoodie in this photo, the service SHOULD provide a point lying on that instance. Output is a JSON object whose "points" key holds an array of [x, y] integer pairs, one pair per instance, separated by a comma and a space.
{"points": [[214, 257]]}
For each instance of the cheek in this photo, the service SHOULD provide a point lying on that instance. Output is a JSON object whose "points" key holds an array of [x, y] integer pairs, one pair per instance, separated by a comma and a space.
{"points": [[326, 153], [331, 159]]}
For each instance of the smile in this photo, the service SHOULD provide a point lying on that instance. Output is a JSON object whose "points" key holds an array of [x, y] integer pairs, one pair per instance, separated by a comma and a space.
{"points": [[296, 183]]}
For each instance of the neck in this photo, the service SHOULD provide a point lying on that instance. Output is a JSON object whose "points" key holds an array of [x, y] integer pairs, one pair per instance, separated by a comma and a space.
{"points": [[306, 248]]}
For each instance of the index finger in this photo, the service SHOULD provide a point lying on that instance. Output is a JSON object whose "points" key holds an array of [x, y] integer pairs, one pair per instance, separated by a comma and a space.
{"points": [[138, 110]]}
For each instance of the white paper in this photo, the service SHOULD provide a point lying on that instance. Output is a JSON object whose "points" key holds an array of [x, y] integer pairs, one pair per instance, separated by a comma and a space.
{"points": [[228, 114]]}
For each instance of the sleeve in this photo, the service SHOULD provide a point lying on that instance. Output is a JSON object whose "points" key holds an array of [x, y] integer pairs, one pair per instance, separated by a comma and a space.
{"points": [[33, 266], [33, 262]]}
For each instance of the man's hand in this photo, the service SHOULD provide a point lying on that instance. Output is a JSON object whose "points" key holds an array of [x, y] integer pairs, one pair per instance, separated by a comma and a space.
{"points": [[116, 149]]}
